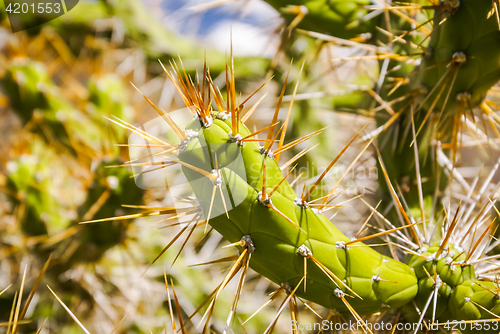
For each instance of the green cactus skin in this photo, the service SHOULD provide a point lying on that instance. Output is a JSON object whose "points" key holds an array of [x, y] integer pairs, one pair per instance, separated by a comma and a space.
{"points": [[26, 85], [469, 301], [461, 296], [379, 280], [107, 96], [450, 276], [330, 17], [469, 39], [461, 63], [279, 246], [32, 189]]}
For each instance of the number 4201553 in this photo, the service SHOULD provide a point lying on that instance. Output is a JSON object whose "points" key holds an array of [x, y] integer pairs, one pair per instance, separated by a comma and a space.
{"points": [[40, 8]]}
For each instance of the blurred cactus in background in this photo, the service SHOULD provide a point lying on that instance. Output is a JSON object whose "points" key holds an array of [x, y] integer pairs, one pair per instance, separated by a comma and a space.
{"points": [[29, 188]]}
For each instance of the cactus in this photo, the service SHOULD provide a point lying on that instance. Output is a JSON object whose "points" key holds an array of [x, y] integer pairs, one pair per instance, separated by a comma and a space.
{"points": [[281, 228], [104, 198], [38, 102], [242, 192], [244, 195], [344, 19], [453, 77], [286, 238], [34, 98], [29, 190]]}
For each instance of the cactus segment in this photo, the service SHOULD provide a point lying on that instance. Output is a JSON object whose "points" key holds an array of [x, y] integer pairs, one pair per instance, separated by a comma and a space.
{"points": [[243, 192], [459, 65], [31, 187], [474, 300], [344, 19], [467, 47], [39, 104], [280, 225], [438, 269]]}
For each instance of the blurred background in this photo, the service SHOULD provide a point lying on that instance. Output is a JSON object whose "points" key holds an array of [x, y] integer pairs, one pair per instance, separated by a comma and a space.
{"points": [[61, 84]]}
